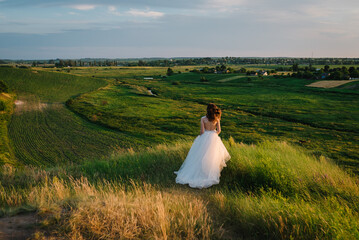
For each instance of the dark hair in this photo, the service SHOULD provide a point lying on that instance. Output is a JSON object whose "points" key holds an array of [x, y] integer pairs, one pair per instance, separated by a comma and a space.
{"points": [[213, 112]]}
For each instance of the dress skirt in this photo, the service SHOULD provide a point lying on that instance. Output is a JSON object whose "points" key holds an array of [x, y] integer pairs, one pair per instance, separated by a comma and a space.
{"points": [[204, 162]]}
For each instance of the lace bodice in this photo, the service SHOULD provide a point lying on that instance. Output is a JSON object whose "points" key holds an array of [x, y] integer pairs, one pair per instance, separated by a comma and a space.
{"points": [[208, 125]]}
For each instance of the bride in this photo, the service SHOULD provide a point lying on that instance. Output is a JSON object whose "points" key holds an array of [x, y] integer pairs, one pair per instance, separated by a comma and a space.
{"points": [[207, 156]]}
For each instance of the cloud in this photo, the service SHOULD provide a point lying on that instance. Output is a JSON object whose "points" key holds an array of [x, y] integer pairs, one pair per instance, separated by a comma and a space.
{"points": [[231, 27], [113, 10], [147, 13], [83, 7]]}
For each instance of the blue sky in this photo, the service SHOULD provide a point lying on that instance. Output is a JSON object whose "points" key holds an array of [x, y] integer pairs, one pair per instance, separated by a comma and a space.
{"points": [[44, 29]]}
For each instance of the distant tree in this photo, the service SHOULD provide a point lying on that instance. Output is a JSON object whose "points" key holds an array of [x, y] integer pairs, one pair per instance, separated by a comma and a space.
{"points": [[326, 68], [295, 67], [205, 70], [170, 72], [141, 63], [354, 73], [308, 75], [336, 75], [195, 71], [351, 69], [230, 70], [242, 70]]}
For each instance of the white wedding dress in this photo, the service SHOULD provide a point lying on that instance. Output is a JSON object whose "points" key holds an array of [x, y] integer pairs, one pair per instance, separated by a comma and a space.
{"points": [[204, 162]]}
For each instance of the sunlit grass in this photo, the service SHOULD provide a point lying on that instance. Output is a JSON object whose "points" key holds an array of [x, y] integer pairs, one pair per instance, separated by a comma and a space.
{"points": [[269, 190]]}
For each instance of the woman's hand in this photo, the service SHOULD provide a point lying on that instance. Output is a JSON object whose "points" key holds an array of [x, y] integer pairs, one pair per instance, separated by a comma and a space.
{"points": [[202, 126], [218, 127]]}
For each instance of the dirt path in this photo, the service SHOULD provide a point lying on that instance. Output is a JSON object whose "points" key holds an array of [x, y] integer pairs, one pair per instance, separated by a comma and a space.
{"points": [[18, 227], [329, 84], [231, 78]]}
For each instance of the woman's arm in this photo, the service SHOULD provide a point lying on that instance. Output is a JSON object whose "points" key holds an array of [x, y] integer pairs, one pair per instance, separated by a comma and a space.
{"points": [[218, 127], [202, 126]]}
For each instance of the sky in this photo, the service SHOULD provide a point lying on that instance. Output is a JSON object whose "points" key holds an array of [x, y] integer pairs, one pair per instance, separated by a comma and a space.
{"points": [[49, 29]]}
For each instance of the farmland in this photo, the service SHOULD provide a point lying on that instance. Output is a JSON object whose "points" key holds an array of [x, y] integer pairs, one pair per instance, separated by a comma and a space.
{"points": [[324, 121], [115, 107], [100, 143]]}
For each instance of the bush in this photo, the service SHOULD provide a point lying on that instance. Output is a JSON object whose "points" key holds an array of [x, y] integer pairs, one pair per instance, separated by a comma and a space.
{"points": [[170, 72], [354, 74], [2, 106], [69, 102], [204, 79], [3, 87], [176, 83]]}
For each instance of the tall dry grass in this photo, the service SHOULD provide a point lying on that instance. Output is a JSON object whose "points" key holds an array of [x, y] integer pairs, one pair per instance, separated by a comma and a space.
{"points": [[271, 190], [77, 209]]}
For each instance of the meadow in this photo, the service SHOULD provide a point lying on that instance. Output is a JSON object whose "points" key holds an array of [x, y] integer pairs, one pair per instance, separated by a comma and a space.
{"points": [[271, 190], [91, 154], [322, 120]]}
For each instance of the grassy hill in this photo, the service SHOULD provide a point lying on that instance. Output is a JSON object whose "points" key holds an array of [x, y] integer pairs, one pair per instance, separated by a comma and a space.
{"points": [[42, 130], [48, 86], [104, 169], [323, 120], [272, 190], [6, 151]]}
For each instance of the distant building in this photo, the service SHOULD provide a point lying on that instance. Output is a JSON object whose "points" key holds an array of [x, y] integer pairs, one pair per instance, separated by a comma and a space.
{"points": [[324, 75], [262, 73]]}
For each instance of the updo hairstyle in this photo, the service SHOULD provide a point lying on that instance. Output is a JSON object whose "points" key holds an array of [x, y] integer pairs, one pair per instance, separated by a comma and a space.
{"points": [[213, 113]]}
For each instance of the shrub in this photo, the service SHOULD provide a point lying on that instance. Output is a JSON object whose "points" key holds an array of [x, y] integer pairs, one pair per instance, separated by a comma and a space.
{"points": [[170, 72], [69, 102], [2, 106], [3, 87], [176, 83], [204, 79]]}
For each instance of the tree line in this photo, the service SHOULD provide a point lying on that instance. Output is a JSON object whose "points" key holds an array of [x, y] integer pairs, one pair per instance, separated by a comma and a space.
{"points": [[337, 73], [170, 62]]}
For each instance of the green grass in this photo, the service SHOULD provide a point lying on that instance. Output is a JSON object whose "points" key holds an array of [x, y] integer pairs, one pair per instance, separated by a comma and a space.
{"points": [[6, 151], [324, 120], [101, 165], [272, 190], [54, 135], [43, 131], [50, 87]]}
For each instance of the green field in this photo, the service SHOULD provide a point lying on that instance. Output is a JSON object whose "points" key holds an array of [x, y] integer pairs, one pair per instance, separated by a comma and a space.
{"points": [[322, 120], [91, 153], [6, 150], [49, 87]]}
